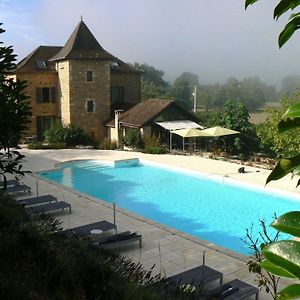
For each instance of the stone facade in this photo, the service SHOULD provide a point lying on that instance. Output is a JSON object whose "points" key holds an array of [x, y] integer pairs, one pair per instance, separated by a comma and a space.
{"points": [[74, 84], [46, 110], [131, 83], [75, 91]]}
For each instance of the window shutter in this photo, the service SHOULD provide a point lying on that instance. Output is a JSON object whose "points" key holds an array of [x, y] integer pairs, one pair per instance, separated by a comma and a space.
{"points": [[39, 96]]}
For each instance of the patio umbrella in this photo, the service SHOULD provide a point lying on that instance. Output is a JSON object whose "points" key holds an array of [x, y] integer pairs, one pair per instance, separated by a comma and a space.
{"points": [[189, 132], [218, 131]]}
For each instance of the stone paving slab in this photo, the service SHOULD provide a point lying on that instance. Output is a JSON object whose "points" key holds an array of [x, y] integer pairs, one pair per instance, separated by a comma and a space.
{"points": [[168, 250]]}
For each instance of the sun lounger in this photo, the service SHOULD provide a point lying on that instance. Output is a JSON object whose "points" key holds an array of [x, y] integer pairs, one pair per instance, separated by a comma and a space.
{"points": [[118, 240], [85, 230], [49, 207], [233, 290], [196, 276], [19, 188], [37, 200], [10, 182]]}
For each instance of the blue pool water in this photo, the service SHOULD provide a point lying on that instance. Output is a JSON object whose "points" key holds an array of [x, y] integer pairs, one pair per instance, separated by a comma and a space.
{"points": [[205, 208]]}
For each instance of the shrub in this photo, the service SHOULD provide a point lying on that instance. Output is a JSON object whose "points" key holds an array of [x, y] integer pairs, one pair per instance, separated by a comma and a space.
{"points": [[152, 145], [70, 135], [133, 138], [38, 262], [55, 133], [108, 144], [39, 145]]}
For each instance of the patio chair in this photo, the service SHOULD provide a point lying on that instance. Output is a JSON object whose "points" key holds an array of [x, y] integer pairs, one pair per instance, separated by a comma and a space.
{"points": [[233, 290], [19, 188], [49, 207], [85, 230], [36, 200], [10, 182], [196, 276], [118, 240]]}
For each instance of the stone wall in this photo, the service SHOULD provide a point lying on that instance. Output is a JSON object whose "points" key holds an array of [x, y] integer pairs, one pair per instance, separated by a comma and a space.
{"points": [[131, 83], [34, 81], [63, 91], [97, 90]]}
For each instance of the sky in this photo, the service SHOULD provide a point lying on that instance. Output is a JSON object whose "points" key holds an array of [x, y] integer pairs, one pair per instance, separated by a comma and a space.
{"points": [[215, 39]]}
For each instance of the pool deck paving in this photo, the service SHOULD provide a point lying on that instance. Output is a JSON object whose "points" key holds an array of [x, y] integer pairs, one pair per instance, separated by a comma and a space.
{"points": [[166, 250]]}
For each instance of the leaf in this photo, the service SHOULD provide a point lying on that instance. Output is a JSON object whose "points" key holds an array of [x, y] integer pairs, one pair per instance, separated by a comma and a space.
{"points": [[296, 171], [290, 292], [284, 254], [249, 2], [288, 223], [274, 269], [283, 6], [288, 30], [290, 119], [283, 167]]}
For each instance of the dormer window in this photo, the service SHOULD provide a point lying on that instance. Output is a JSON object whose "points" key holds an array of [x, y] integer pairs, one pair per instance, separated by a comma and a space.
{"points": [[41, 64], [89, 75]]}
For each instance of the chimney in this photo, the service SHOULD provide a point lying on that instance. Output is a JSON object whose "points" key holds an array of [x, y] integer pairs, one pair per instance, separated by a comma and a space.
{"points": [[117, 113]]}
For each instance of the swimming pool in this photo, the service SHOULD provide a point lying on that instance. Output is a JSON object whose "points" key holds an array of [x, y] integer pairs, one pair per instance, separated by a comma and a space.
{"points": [[207, 208]]}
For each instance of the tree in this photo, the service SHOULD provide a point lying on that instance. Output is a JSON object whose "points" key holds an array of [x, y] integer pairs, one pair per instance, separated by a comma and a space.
{"points": [[191, 78], [282, 257], [290, 84], [252, 93], [152, 84], [181, 91], [14, 114], [150, 90], [278, 143], [236, 117], [183, 88], [152, 74]]}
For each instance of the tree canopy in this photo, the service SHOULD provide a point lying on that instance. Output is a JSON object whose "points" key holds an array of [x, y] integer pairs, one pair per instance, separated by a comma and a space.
{"points": [[14, 113], [152, 84], [14, 109], [235, 116]]}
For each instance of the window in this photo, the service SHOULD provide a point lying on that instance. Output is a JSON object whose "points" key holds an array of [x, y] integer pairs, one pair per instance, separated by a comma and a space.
{"points": [[43, 123], [90, 106], [117, 94], [46, 95], [89, 75], [41, 64]]}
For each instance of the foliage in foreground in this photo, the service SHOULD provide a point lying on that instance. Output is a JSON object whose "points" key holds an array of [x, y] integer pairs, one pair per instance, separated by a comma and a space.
{"points": [[282, 8], [37, 262], [256, 244], [14, 114], [283, 257]]}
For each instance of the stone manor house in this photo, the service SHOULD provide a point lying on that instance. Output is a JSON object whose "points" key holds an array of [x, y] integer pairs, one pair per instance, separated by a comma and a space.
{"points": [[79, 83]]}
